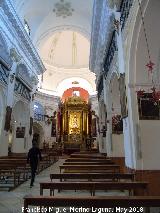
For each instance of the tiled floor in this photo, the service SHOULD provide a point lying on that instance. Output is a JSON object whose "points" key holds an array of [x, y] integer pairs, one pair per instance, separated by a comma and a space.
{"points": [[12, 202]]}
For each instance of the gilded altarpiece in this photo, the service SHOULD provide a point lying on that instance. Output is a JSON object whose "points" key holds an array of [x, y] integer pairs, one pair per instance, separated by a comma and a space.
{"points": [[75, 123]]}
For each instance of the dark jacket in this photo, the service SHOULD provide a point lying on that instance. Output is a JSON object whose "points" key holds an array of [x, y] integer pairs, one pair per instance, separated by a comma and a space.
{"points": [[33, 155]]}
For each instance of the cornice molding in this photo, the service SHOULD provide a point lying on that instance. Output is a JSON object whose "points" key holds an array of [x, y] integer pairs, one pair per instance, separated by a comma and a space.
{"points": [[45, 96], [22, 34], [24, 75]]}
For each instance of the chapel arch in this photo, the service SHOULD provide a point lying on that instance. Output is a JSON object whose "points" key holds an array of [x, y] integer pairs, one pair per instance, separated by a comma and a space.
{"points": [[138, 78], [21, 115], [38, 133]]}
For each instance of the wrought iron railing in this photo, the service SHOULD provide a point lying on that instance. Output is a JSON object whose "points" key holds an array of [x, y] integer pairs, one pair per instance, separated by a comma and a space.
{"points": [[125, 9], [22, 89], [4, 74], [100, 87], [110, 53]]}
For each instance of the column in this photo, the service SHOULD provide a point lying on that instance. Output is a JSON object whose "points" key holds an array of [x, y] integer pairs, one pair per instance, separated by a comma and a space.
{"points": [[29, 141], [119, 43], [9, 105]]}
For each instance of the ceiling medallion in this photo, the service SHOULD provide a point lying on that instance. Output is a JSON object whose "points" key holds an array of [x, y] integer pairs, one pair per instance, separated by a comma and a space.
{"points": [[63, 9]]}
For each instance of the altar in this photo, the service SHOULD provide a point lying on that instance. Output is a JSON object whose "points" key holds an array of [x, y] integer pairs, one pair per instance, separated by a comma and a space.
{"points": [[75, 113]]}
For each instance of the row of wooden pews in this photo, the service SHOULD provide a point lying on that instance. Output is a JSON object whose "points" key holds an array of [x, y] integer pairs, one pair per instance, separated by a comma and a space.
{"points": [[14, 169], [83, 171]]}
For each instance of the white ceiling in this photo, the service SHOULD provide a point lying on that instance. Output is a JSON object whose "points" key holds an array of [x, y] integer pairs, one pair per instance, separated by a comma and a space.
{"points": [[52, 34], [70, 46], [43, 21]]}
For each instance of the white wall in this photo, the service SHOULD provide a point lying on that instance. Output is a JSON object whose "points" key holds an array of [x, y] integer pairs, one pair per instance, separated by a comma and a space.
{"points": [[102, 144], [50, 104], [150, 144], [127, 143], [19, 145], [21, 119], [117, 145]]}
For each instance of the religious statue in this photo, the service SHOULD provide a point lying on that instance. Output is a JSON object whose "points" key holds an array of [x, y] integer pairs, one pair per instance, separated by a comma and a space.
{"points": [[74, 125], [75, 122]]}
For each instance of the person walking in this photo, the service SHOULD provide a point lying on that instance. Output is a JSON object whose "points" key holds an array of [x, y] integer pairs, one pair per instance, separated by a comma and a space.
{"points": [[34, 155]]}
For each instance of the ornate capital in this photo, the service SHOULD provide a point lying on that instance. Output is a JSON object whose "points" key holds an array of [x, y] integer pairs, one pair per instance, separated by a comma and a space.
{"points": [[14, 55], [14, 20]]}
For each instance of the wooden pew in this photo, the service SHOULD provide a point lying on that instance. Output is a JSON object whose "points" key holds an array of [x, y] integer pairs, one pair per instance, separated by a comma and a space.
{"points": [[88, 156], [88, 160], [9, 178], [131, 202], [93, 186], [22, 162], [90, 168], [14, 171], [54, 156], [88, 163], [93, 176], [87, 152], [19, 166]]}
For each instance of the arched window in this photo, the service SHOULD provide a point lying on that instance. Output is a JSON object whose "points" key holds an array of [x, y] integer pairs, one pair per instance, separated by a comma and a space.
{"points": [[38, 112]]}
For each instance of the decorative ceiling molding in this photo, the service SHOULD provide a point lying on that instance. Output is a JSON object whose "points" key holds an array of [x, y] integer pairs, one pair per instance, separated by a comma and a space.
{"points": [[22, 34], [63, 9], [4, 53], [102, 28]]}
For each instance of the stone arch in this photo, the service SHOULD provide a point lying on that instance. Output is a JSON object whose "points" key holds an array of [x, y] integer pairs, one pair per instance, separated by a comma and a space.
{"points": [[20, 119], [56, 29], [137, 78], [38, 132]]}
